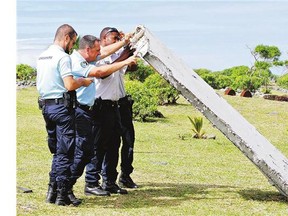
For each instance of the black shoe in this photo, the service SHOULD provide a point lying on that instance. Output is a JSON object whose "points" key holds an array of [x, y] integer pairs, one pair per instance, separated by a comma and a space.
{"points": [[75, 201], [95, 190], [62, 197], [126, 181], [112, 187], [51, 193]]}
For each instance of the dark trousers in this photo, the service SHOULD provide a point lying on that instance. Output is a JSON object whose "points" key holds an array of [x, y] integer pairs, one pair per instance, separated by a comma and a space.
{"points": [[60, 126], [84, 150], [128, 134], [107, 133]]}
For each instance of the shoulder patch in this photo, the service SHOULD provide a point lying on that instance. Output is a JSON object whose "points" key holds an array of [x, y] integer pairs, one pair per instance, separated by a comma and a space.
{"points": [[84, 64]]}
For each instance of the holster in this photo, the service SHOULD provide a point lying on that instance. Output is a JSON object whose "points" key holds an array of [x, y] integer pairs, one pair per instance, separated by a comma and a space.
{"points": [[40, 103], [130, 99], [70, 99]]}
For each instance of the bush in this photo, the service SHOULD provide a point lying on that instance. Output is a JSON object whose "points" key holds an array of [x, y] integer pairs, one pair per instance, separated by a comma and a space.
{"points": [[25, 72], [145, 102], [247, 82], [210, 78], [163, 91], [283, 81], [142, 72]]}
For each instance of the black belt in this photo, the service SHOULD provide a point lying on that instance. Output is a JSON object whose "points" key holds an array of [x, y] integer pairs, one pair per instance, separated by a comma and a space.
{"points": [[85, 107], [123, 99], [126, 100], [53, 101], [109, 103]]}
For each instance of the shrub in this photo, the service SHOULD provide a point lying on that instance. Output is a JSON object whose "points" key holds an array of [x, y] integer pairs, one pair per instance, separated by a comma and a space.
{"points": [[145, 103], [142, 72], [163, 91], [210, 78], [25, 72], [283, 81]]}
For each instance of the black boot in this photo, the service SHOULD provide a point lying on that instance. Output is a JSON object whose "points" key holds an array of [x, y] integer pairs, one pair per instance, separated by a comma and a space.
{"points": [[52, 192], [62, 196], [112, 187], [75, 201], [126, 181]]}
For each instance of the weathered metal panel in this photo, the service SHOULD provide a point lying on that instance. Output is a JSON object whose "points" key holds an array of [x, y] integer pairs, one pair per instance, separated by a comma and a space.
{"points": [[270, 161]]}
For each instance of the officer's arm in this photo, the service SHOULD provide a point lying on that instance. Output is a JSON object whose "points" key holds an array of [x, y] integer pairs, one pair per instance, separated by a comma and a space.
{"points": [[106, 70], [112, 48], [71, 84]]}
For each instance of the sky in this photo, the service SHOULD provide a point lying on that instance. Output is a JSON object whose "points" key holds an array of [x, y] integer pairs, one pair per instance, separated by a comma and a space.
{"points": [[206, 34]]}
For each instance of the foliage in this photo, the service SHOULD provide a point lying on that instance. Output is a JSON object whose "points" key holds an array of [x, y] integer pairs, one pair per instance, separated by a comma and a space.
{"points": [[197, 123], [268, 53], [236, 71], [223, 81], [283, 81], [142, 72], [165, 93], [243, 77], [145, 102], [202, 71], [25, 72], [210, 78], [148, 91], [76, 45], [246, 82]]}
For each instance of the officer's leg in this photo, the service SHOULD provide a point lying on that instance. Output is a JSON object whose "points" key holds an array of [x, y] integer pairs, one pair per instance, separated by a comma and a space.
{"points": [[65, 151], [52, 141], [109, 170], [127, 150], [84, 149], [93, 169]]}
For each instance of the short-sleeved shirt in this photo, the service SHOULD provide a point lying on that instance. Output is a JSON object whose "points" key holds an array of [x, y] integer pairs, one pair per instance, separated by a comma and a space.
{"points": [[81, 68], [111, 87], [52, 66]]}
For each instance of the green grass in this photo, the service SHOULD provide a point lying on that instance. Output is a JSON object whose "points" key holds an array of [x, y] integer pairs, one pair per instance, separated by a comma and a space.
{"points": [[177, 176]]}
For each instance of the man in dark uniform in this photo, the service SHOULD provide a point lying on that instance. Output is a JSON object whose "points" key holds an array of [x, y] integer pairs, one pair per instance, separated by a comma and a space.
{"points": [[56, 86], [108, 128], [82, 65]]}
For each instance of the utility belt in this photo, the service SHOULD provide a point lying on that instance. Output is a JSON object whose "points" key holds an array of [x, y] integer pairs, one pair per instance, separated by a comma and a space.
{"points": [[85, 107], [69, 100], [105, 103]]}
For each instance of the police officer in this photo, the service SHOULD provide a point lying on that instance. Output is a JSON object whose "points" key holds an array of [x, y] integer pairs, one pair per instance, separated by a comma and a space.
{"points": [[108, 122], [82, 66], [56, 86]]}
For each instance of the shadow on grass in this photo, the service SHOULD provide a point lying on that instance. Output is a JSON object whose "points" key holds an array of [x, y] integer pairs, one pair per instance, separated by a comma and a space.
{"points": [[259, 195], [157, 194]]}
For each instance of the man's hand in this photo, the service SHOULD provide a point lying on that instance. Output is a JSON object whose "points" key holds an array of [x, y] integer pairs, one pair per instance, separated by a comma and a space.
{"points": [[127, 37], [85, 81], [126, 53], [131, 60]]}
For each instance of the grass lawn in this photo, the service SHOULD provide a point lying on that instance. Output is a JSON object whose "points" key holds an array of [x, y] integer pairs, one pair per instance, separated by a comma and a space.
{"points": [[177, 175]]}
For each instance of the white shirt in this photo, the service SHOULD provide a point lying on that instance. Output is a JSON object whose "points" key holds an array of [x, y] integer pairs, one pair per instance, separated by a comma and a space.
{"points": [[111, 87], [52, 66]]}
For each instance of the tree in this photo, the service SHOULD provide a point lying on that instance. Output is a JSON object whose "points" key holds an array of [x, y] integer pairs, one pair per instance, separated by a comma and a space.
{"points": [[265, 57]]}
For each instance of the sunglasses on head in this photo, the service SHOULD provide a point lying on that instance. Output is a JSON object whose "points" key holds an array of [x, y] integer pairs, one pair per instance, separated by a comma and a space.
{"points": [[110, 30]]}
